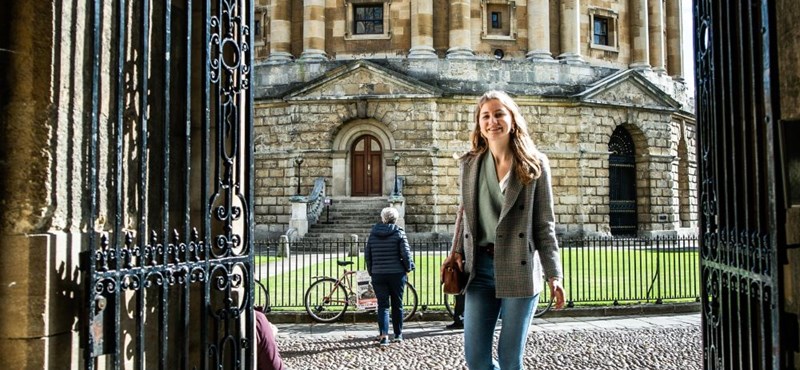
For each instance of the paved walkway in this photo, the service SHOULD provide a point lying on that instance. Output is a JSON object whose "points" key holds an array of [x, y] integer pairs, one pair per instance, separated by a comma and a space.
{"points": [[629, 342]]}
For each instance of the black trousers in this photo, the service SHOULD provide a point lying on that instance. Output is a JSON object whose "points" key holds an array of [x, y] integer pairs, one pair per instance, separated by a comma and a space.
{"points": [[458, 310]]}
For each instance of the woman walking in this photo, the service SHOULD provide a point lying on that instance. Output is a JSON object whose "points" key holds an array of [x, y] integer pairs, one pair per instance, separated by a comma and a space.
{"points": [[388, 258], [508, 239]]}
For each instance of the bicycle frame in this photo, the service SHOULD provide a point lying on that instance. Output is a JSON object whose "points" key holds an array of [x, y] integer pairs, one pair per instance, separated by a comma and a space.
{"points": [[344, 280]]}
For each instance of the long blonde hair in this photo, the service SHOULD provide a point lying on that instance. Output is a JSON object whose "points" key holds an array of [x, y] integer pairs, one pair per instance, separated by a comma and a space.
{"points": [[527, 166]]}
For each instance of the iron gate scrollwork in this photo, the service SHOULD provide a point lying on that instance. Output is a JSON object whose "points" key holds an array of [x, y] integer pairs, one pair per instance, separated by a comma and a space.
{"points": [[739, 263], [168, 270]]}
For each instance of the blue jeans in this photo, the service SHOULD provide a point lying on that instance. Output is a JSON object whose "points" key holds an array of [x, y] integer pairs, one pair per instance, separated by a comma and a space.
{"points": [[390, 286], [481, 312]]}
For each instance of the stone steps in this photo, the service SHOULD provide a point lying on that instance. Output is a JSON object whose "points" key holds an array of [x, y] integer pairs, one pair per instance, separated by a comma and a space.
{"points": [[347, 216]]}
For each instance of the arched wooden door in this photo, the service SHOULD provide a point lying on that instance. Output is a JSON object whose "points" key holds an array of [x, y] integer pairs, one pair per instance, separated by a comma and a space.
{"points": [[622, 182], [366, 172]]}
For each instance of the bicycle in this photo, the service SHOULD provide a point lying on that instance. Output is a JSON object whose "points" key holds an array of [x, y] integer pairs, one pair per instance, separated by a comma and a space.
{"points": [[327, 299], [261, 298], [541, 309]]}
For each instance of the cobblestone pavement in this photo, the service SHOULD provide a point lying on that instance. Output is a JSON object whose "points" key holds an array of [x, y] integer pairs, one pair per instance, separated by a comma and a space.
{"points": [[641, 342]]}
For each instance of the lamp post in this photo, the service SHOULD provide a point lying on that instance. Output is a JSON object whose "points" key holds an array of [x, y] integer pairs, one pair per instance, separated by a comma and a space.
{"points": [[395, 159], [298, 161]]}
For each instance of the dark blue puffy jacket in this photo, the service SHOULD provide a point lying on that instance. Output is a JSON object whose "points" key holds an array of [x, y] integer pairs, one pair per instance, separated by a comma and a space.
{"points": [[387, 250]]}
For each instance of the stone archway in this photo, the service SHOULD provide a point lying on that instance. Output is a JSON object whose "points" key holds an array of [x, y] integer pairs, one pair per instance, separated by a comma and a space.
{"points": [[622, 183], [366, 169], [342, 163], [640, 161]]}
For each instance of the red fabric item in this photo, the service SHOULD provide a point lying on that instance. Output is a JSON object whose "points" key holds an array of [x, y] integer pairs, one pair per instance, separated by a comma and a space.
{"points": [[267, 354]]}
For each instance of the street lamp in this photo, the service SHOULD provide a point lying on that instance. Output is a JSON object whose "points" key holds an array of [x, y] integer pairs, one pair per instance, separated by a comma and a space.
{"points": [[298, 161], [396, 159]]}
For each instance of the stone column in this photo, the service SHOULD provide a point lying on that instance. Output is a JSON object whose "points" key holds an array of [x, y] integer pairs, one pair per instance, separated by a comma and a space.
{"points": [[570, 31], [460, 41], [313, 30], [539, 29], [674, 40], [640, 48], [656, 25], [421, 29], [280, 35]]}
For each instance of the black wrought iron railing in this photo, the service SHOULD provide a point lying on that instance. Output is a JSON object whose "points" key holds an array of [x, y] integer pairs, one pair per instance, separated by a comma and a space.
{"points": [[597, 271]]}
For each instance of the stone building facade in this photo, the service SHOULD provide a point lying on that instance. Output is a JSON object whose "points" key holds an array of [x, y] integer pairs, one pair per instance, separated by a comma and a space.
{"points": [[600, 82]]}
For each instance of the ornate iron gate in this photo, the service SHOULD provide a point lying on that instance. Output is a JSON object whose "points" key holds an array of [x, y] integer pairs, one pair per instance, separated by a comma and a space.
{"points": [[168, 273], [622, 183], [735, 119]]}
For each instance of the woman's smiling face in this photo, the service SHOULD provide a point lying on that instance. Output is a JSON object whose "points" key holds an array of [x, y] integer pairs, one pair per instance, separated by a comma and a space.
{"points": [[496, 121]]}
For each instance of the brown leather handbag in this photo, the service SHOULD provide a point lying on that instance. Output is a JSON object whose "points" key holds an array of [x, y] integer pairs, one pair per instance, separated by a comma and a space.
{"points": [[453, 279]]}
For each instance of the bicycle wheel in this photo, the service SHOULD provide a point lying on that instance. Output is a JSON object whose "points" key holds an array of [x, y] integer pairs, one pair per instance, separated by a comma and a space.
{"points": [[543, 307], [325, 300], [450, 304], [261, 299], [410, 301]]}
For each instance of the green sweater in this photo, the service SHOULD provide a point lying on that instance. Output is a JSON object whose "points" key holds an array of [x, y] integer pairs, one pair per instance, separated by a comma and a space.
{"points": [[490, 200]]}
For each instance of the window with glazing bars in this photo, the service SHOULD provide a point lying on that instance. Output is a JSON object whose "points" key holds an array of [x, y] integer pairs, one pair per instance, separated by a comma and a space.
{"points": [[368, 19], [600, 31], [495, 19]]}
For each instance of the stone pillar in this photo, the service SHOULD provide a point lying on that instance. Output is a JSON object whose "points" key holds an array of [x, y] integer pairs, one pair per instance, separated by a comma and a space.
{"points": [[421, 30], [570, 31], [299, 219], [656, 25], [460, 40], [674, 40], [399, 203], [539, 29], [313, 31], [640, 49], [353, 247], [280, 35]]}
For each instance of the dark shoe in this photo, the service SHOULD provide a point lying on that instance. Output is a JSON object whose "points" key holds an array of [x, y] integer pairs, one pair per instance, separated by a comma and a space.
{"points": [[455, 326], [397, 338], [384, 341]]}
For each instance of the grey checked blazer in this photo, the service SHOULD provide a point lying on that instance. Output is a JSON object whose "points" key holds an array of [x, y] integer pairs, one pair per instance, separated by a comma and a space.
{"points": [[526, 247]]}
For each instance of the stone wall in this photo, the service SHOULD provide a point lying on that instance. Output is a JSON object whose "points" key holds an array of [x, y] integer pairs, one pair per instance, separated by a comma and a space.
{"points": [[789, 84], [428, 133], [43, 108]]}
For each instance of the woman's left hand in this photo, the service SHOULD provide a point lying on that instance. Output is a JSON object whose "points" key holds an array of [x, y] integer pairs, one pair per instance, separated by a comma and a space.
{"points": [[557, 292]]}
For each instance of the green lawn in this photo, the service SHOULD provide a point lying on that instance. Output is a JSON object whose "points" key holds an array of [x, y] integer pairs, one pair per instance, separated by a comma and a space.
{"points": [[591, 276]]}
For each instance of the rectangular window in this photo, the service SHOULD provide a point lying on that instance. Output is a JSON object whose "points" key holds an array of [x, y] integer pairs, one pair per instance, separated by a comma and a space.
{"points": [[496, 23], [368, 19], [257, 28], [601, 31]]}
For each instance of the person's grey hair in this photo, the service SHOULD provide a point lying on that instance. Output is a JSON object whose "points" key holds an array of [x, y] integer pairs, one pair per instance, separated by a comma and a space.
{"points": [[389, 215]]}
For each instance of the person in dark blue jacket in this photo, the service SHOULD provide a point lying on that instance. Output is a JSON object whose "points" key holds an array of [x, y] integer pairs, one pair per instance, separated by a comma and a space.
{"points": [[389, 259]]}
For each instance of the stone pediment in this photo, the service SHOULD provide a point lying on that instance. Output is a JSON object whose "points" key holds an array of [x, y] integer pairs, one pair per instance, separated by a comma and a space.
{"points": [[362, 80], [630, 89]]}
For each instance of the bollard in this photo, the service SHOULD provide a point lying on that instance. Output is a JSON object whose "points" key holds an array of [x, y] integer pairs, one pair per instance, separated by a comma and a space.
{"points": [[352, 250], [283, 247]]}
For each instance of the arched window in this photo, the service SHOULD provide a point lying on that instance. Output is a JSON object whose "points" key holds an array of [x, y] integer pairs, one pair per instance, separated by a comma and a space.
{"points": [[622, 182], [683, 184]]}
